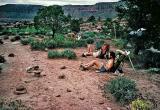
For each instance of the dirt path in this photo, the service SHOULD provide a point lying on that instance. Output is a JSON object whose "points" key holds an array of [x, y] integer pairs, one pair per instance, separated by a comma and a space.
{"points": [[78, 91]]}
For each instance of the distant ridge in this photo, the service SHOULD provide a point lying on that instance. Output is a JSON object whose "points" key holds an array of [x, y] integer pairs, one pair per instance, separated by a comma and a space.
{"points": [[16, 12]]}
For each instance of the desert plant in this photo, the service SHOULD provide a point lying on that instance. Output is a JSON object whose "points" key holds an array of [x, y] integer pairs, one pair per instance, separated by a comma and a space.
{"points": [[63, 54], [12, 105], [25, 41], [120, 43], [69, 54], [123, 89], [54, 54], [90, 40], [99, 44], [37, 45], [81, 43], [139, 104]]}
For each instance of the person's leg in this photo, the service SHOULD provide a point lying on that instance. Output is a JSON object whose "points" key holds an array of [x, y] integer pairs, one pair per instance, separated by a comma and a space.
{"points": [[93, 63]]}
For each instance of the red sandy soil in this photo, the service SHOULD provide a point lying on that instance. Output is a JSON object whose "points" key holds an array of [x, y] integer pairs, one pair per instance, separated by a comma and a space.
{"points": [[79, 90]]}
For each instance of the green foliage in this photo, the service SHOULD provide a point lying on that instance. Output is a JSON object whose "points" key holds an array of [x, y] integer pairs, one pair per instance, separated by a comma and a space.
{"points": [[123, 89], [12, 105], [90, 40], [75, 25], [139, 104], [69, 54], [25, 41], [86, 35], [54, 54], [99, 44], [37, 45], [54, 21], [91, 19], [120, 43], [142, 14], [154, 70], [81, 43], [63, 54]]}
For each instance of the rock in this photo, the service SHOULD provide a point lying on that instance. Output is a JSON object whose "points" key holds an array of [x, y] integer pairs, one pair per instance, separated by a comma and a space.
{"points": [[15, 38], [37, 73], [68, 90], [20, 90], [5, 37], [2, 59], [63, 67], [101, 102], [62, 77], [32, 68], [11, 55], [108, 108], [1, 42], [81, 98], [58, 95]]}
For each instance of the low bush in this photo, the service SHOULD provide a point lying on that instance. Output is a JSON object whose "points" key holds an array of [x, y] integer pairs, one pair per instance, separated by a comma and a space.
{"points": [[154, 70], [54, 54], [123, 89], [90, 40], [86, 35], [50, 43], [13, 105], [81, 43], [15, 38], [25, 41], [139, 104], [37, 45], [63, 54], [120, 43], [99, 44], [69, 54]]}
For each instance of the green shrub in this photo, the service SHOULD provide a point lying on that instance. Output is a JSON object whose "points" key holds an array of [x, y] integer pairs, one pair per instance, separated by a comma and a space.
{"points": [[81, 43], [120, 43], [37, 45], [123, 89], [154, 70], [50, 43], [54, 54], [69, 54], [99, 44], [90, 40], [139, 104], [13, 105], [63, 54], [69, 44], [86, 35], [25, 41]]}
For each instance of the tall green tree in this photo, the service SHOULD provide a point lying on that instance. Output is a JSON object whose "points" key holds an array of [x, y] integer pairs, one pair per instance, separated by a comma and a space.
{"points": [[91, 19], [142, 14], [75, 25], [51, 17]]}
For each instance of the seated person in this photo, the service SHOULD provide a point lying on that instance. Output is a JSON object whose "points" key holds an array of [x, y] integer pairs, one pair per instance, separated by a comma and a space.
{"points": [[101, 53], [102, 67]]}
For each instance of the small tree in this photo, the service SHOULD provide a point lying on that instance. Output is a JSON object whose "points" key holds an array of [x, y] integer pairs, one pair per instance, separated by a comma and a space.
{"points": [[50, 17], [75, 25], [91, 19]]}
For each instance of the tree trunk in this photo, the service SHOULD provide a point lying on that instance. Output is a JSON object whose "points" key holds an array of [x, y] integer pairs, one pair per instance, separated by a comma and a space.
{"points": [[53, 33]]}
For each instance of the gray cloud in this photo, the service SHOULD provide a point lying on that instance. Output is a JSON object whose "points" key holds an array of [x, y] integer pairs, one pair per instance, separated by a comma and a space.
{"points": [[53, 2]]}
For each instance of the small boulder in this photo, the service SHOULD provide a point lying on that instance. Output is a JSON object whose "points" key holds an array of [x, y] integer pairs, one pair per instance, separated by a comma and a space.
{"points": [[11, 55], [20, 90], [37, 73], [68, 90], [2, 59], [63, 67], [1, 41], [5, 37], [62, 76]]}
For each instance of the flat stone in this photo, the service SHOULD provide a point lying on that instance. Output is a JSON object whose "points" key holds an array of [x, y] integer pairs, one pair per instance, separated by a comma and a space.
{"points": [[62, 77], [63, 67]]}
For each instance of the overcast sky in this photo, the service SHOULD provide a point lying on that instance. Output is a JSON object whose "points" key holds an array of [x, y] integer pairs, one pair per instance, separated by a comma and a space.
{"points": [[52, 2]]}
